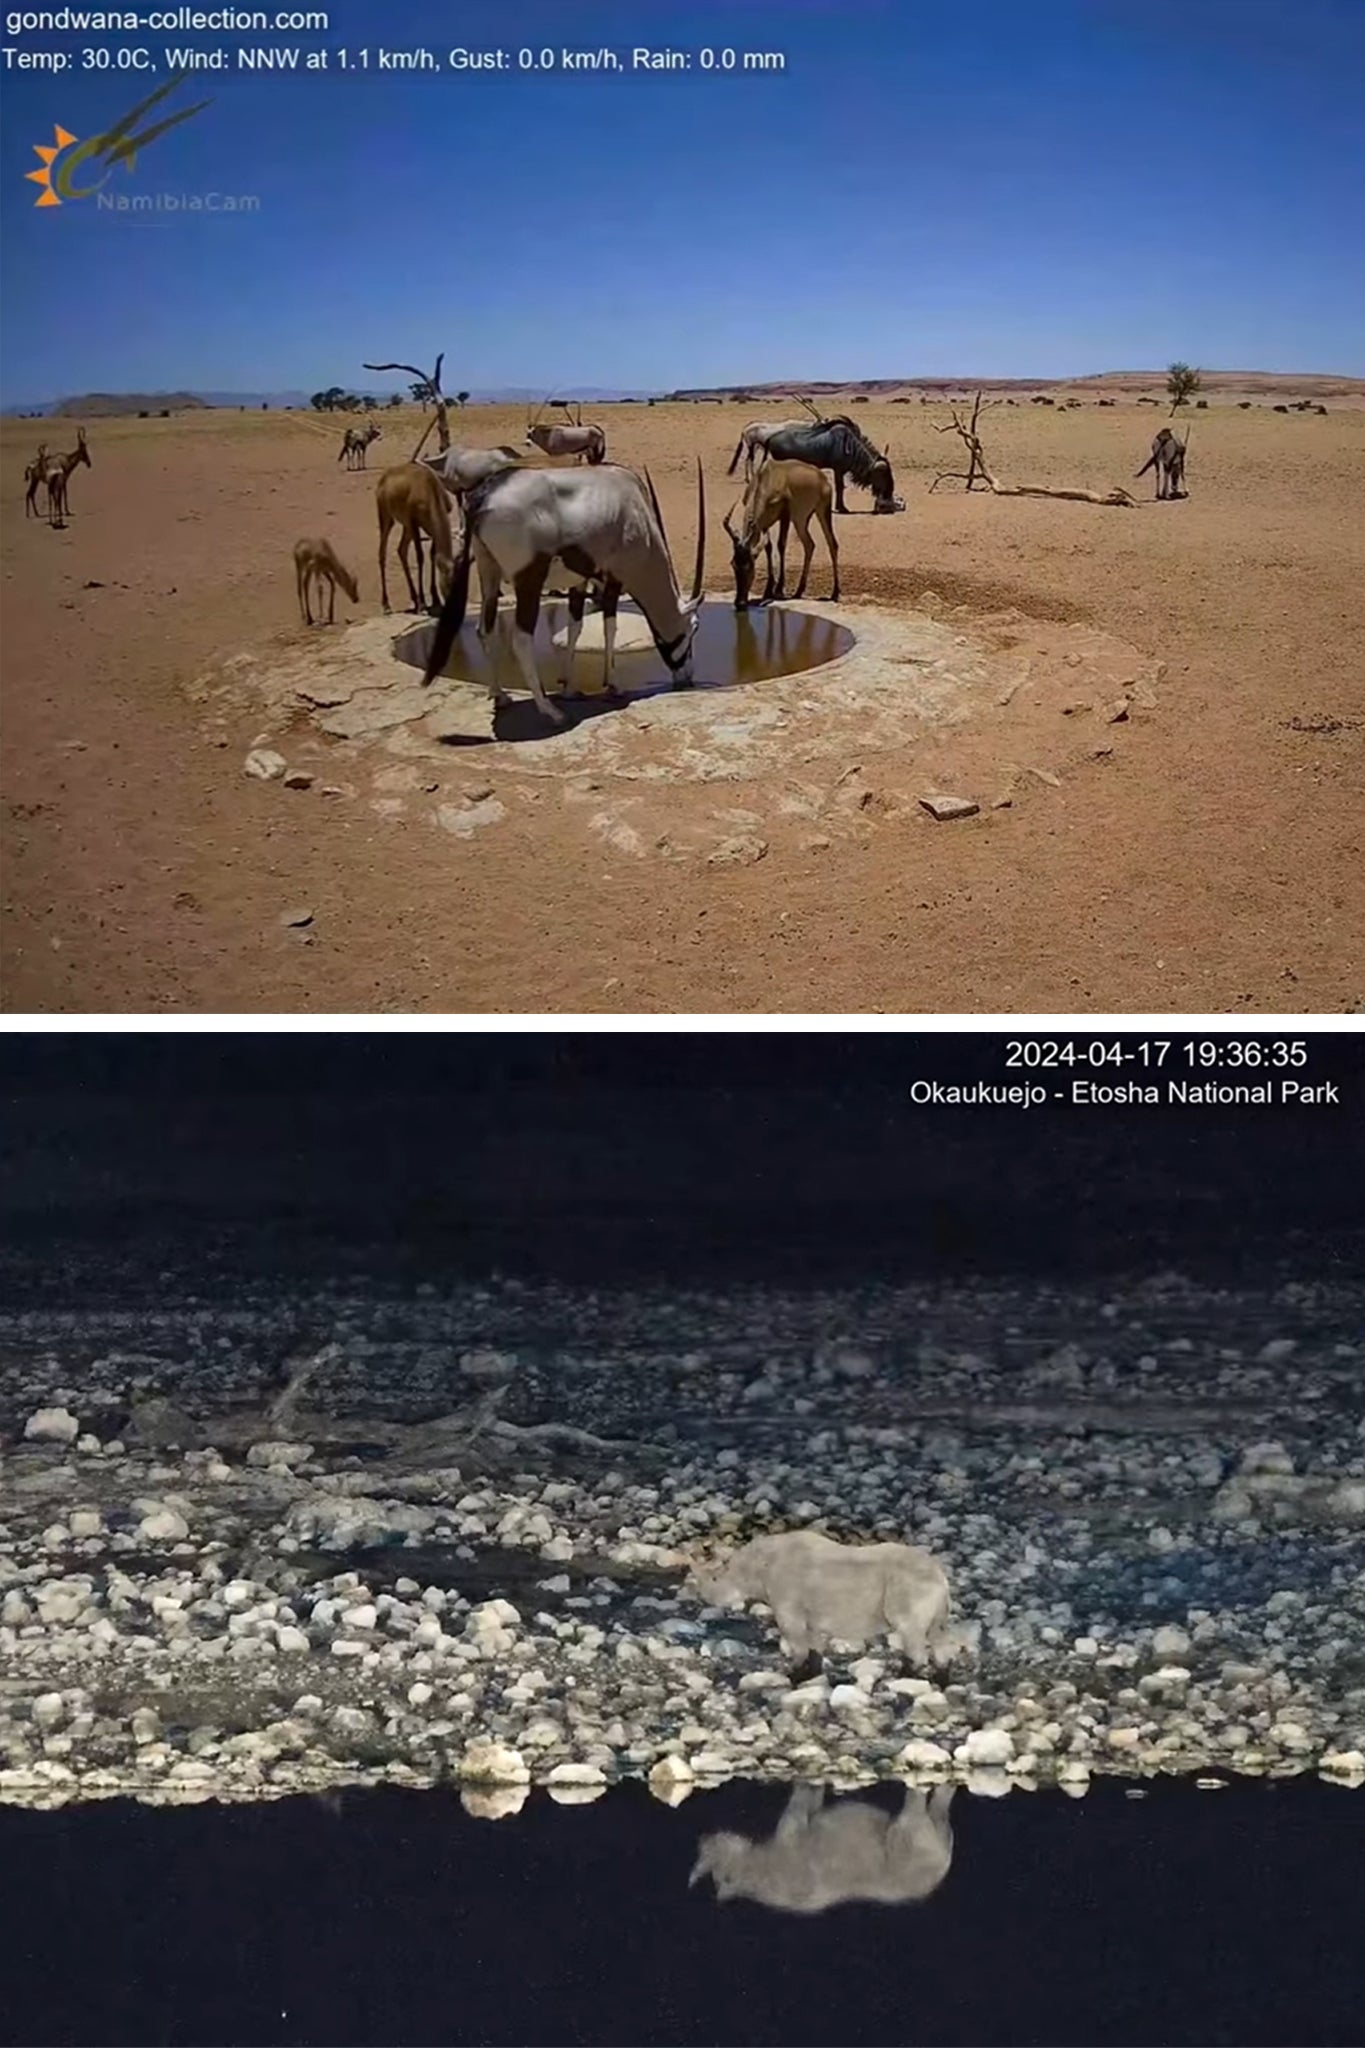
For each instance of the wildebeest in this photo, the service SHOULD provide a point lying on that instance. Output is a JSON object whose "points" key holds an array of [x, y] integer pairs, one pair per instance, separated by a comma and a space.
{"points": [[781, 494], [822, 1592], [1168, 457], [825, 1853], [576, 441], [605, 527], [837, 445]]}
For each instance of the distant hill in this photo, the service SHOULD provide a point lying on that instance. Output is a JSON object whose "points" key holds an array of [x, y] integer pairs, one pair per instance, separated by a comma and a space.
{"points": [[94, 405], [579, 394], [111, 404], [1213, 383]]}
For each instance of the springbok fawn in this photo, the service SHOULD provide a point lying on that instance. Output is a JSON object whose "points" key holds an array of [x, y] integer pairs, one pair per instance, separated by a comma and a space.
{"points": [[59, 476], [315, 561], [35, 474]]}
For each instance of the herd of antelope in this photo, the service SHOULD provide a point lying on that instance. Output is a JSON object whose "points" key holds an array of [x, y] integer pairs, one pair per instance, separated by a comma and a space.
{"points": [[591, 534]]}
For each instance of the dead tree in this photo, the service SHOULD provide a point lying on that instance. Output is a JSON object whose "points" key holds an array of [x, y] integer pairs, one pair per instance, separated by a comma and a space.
{"points": [[978, 470], [438, 399]]}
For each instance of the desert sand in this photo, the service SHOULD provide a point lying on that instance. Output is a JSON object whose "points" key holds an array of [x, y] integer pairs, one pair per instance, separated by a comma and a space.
{"points": [[1170, 810]]}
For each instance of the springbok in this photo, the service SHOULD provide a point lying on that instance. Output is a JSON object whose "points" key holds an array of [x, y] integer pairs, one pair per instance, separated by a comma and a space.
{"points": [[753, 443], [836, 444], [412, 498], [58, 476], [1168, 457], [356, 445], [576, 441], [782, 494], [35, 474], [604, 525], [315, 561]]}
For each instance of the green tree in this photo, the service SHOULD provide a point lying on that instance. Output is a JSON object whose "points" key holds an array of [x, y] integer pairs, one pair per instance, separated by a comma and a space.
{"points": [[1181, 384]]}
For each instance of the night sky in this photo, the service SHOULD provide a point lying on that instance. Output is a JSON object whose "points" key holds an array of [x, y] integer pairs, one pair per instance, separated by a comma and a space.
{"points": [[670, 1151]]}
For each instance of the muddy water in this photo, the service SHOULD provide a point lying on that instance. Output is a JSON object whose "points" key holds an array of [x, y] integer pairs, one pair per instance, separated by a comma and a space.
{"points": [[1134, 1915], [731, 648]]}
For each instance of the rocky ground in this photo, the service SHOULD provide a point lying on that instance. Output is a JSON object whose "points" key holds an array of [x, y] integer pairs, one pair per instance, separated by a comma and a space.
{"points": [[293, 1538]]}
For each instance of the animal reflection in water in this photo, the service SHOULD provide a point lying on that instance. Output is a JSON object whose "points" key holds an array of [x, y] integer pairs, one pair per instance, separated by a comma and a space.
{"points": [[825, 1855]]}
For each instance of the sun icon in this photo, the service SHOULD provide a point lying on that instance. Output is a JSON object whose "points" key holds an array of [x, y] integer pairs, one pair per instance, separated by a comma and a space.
{"points": [[47, 197]]}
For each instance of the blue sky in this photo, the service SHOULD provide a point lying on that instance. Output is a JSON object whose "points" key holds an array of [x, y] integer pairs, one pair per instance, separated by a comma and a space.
{"points": [[992, 188]]}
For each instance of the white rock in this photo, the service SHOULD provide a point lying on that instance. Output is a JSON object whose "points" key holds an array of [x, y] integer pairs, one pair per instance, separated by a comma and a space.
{"points": [[986, 1746], [51, 1426], [264, 763], [279, 1455], [1267, 1457], [493, 1763], [1170, 1642], [850, 1698], [919, 1755], [163, 1526], [576, 1774]]}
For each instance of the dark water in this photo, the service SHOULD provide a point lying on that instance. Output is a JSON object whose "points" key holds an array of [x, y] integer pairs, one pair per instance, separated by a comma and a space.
{"points": [[1228, 1917], [731, 647]]}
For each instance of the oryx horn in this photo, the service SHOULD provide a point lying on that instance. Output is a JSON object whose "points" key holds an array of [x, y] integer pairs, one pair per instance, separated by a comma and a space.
{"points": [[701, 536]]}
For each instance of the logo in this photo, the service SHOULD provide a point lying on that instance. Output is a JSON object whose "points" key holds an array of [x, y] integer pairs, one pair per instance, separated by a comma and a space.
{"points": [[120, 144]]}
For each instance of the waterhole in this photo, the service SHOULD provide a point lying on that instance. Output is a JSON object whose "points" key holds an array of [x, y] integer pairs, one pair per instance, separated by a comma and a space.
{"points": [[730, 648]]}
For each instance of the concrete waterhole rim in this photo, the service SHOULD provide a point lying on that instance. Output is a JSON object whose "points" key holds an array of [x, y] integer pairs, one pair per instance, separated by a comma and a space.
{"points": [[923, 693]]}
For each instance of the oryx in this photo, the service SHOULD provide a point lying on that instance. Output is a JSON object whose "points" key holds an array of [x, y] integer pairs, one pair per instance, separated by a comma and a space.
{"points": [[753, 443], [460, 469], [1168, 456], [604, 525], [576, 441]]}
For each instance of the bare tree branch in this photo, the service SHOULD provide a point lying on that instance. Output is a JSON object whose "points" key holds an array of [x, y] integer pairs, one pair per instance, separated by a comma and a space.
{"points": [[978, 468], [432, 381]]}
